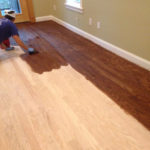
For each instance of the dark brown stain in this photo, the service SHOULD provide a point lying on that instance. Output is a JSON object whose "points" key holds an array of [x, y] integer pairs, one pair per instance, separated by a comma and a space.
{"points": [[46, 59], [125, 83]]}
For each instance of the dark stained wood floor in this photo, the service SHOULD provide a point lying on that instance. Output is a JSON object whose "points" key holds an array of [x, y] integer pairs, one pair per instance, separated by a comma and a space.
{"points": [[125, 83]]}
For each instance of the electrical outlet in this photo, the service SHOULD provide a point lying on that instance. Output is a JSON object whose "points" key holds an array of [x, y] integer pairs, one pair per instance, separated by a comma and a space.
{"points": [[54, 7], [90, 21], [98, 25]]}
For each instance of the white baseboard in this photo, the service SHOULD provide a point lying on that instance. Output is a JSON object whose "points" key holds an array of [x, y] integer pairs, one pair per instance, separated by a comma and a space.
{"points": [[43, 18], [108, 46]]}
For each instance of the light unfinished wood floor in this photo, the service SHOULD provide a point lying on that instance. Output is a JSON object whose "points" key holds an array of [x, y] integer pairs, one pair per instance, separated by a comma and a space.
{"points": [[60, 110]]}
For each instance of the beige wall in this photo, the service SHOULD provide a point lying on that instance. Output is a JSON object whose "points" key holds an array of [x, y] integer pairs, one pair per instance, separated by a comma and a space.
{"points": [[125, 24], [42, 7]]}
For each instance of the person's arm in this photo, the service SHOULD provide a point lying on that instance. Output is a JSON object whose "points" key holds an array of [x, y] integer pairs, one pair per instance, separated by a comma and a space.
{"points": [[22, 45], [19, 42], [15, 35]]}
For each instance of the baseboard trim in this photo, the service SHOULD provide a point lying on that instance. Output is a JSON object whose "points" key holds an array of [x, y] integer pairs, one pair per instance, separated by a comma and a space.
{"points": [[108, 46], [43, 18]]}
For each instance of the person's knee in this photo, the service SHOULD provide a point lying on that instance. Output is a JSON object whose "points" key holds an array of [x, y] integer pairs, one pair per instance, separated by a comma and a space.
{"points": [[2, 46], [6, 43]]}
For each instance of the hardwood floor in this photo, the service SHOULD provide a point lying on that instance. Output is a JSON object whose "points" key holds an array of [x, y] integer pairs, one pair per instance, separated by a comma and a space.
{"points": [[73, 95]]}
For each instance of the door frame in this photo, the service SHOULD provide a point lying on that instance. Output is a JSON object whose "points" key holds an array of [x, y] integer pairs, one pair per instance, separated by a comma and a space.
{"points": [[30, 11]]}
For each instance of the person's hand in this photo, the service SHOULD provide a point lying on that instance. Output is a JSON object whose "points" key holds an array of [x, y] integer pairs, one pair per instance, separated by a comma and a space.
{"points": [[31, 50]]}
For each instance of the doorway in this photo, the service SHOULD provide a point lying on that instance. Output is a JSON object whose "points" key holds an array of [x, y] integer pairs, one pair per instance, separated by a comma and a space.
{"points": [[23, 9]]}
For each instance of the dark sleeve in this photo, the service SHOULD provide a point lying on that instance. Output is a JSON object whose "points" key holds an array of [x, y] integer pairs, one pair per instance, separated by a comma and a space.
{"points": [[14, 30]]}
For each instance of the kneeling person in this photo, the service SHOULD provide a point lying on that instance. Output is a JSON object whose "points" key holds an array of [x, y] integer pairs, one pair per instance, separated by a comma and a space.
{"points": [[8, 29]]}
